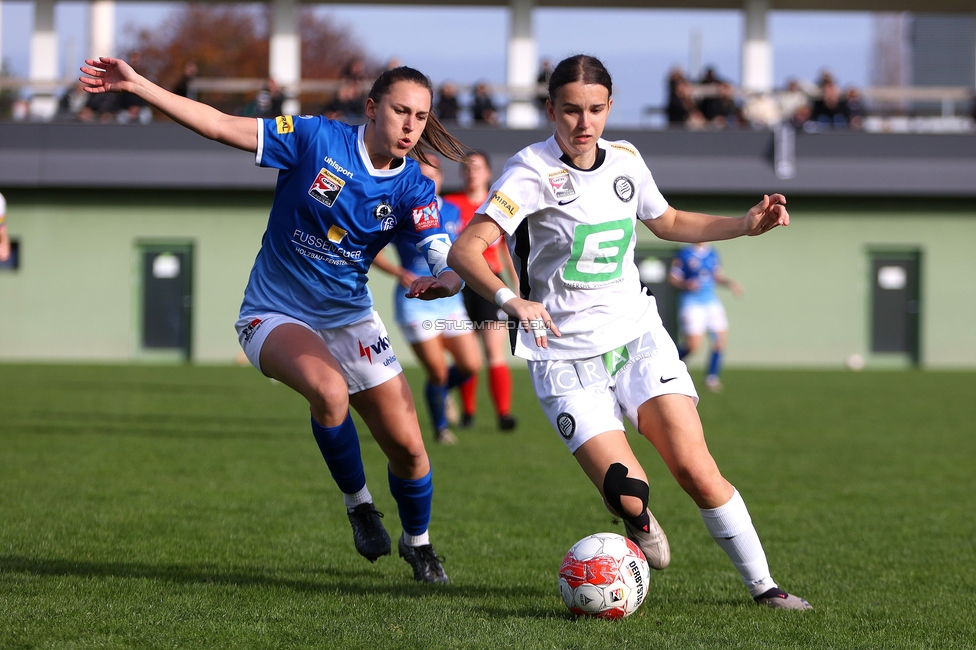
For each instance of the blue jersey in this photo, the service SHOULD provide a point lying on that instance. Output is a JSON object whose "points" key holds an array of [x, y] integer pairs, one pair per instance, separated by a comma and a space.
{"points": [[411, 310], [332, 212], [698, 264]]}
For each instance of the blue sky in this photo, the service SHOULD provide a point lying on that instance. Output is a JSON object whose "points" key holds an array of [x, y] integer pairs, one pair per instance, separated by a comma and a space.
{"points": [[468, 44]]}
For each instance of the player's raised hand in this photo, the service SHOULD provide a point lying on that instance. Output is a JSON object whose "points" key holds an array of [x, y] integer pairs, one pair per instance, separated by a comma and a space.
{"points": [[108, 75], [767, 214], [533, 317]]}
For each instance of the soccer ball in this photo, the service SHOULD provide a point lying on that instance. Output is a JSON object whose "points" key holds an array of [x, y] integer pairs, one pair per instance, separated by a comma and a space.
{"points": [[603, 575]]}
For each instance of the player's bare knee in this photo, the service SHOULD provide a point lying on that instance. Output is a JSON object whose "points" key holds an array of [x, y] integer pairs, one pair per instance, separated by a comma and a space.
{"points": [[329, 405], [626, 496]]}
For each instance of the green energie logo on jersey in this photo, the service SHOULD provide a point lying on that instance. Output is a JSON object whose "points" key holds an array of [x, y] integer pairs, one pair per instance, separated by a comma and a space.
{"points": [[598, 253]]}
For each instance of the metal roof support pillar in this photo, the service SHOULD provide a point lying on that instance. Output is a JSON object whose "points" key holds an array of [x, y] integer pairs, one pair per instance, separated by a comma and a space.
{"points": [[43, 61], [522, 66], [1, 35], [285, 63], [101, 28], [757, 53]]}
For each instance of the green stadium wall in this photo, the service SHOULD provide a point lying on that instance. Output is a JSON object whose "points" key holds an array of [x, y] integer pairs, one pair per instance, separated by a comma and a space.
{"points": [[76, 295]]}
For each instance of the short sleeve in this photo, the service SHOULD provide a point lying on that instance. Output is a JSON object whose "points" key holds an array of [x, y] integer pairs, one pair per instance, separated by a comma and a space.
{"points": [[651, 204], [516, 194], [423, 217], [3, 207], [283, 140]]}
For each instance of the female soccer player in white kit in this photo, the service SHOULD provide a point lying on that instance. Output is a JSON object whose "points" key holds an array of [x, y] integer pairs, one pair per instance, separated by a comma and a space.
{"points": [[569, 206], [307, 320]]}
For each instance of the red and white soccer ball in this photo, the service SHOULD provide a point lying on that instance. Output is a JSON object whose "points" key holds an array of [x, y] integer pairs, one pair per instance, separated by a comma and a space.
{"points": [[605, 576]]}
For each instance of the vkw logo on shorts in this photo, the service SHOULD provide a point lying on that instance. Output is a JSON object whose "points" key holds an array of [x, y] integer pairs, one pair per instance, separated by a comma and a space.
{"points": [[251, 328], [566, 424], [623, 187]]}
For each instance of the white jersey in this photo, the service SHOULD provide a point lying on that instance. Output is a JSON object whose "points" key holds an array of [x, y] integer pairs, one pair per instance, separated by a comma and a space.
{"points": [[571, 235]]}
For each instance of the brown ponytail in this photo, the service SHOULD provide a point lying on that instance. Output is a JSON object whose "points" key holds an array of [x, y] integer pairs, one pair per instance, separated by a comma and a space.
{"points": [[435, 137]]}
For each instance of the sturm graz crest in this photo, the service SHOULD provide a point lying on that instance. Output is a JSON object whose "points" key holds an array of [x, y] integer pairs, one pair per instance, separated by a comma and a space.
{"points": [[624, 188], [382, 211], [566, 424]]}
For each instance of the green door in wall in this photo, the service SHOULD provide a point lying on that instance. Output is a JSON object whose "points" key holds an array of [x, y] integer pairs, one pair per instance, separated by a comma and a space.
{"points": [[167, 298], [895, 303]]}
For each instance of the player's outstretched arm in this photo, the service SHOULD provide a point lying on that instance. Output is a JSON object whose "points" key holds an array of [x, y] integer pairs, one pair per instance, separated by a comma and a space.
{"points": [[467, 258], [691, 227], [107, 74]]}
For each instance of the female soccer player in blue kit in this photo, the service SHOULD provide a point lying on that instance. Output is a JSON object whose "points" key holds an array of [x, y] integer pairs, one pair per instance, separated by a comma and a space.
{"points": [[307, 320]]}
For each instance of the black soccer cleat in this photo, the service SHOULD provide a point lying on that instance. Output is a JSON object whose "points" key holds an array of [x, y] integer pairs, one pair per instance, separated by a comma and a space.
{"points": [[371, 538], [507, 423], [425, 563], [779, 599], [467, 420]]}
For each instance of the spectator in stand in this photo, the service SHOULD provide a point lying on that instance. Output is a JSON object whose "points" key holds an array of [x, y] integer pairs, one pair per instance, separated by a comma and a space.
{"points": [[267, 103], [853, 108], [71, 104], [709, 105], [723, 110], [682, 110], [190, 72], [348, 103], [447, 103], [483, 108], [131, 108], [542, 81], [829, 111], [794, 100]]}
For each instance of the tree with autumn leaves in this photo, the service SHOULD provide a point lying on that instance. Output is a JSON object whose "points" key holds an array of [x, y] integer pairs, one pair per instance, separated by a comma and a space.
{"points": [[232, 41]]}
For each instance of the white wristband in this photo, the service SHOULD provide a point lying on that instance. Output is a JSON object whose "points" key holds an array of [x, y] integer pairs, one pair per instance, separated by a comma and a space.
{"points": [[503, 295]]}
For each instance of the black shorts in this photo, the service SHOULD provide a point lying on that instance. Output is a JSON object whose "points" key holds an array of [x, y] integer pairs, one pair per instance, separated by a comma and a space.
{"points": [[480, 310]]}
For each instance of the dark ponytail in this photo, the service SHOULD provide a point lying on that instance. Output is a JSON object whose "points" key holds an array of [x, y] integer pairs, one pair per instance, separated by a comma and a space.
{"points": [[435, 137], [581, 67]]}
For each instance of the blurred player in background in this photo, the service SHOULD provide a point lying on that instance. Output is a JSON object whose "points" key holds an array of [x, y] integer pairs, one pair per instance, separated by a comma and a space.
{"points": [[570, 206], [307, 320], [695, 271], [488, 319], [4, 236], [435, 326]]}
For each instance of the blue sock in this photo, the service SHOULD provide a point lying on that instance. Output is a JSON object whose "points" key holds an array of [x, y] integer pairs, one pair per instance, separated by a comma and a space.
{"points": [[455, 377], [340, 448], [714, 366], [413, 497], [682, 352], [435, 403]]}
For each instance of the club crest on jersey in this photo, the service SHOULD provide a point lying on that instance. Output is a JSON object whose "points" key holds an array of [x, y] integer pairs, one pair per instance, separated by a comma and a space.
{"points": [[426, 217], [561, 184], [623, 187], [388, 224], [326, 188], [382, 211]]}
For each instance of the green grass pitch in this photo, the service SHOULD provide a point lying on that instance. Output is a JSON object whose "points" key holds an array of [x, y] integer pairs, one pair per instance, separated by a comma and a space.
{"points": [[158, 507]]}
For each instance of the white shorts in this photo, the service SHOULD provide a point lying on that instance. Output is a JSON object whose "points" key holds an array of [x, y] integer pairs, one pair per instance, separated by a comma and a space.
{"points": [[698, 319], [362, 349], [586, 397], [455, 324]]}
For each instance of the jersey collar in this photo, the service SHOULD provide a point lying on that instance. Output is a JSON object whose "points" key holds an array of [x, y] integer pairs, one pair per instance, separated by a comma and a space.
{"points": [[601, 155], [364, 155]]}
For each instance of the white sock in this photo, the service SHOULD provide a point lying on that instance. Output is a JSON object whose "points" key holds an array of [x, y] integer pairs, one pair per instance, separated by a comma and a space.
{"points": [[731, 528], [423, 539], [359, 498]]}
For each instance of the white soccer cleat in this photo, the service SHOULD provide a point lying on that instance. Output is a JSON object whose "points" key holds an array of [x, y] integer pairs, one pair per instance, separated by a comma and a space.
{"points": [[653, 542], [779, 599]]}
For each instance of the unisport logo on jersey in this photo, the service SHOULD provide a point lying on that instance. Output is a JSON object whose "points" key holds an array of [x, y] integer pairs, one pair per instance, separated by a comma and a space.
{"points": [[426, 217], [326, 188], [597, 257], [561, 184]]}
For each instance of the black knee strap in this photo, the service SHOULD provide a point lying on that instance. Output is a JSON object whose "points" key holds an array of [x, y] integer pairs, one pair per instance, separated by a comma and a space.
{"points": [[616, 484]]}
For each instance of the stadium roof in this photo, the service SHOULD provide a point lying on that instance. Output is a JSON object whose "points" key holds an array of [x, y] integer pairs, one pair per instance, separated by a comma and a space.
{"points": [[842, 163], [919, 6]]}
